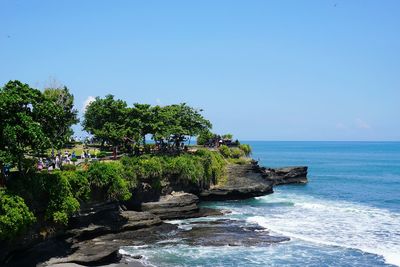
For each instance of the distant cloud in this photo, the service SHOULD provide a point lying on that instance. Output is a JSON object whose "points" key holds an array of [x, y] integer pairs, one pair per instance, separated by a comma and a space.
{"points": [[158, 101], [362, 124], [87, 102]]}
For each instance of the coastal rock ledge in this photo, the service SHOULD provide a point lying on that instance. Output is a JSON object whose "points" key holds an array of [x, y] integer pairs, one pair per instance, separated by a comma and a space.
{"points": [[243, 181], [286, 175], [178, 205]]}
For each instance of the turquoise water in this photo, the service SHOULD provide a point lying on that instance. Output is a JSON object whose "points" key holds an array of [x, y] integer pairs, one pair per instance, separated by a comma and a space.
{"points": [[347, 215]]}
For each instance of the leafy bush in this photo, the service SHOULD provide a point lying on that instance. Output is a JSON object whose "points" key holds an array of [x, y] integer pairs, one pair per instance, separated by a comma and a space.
{"points": [[52, 191], [101, 154], [246, 149], [204, 137], [68, 167], [15, 216], [74, 159], [213, 163], [201, 168], [149, 147], [107, 182], [225, 151], [62, 202], [79, 184], [239, 161], [187, 167], [236, 153], [227, 136], [144, 167]]}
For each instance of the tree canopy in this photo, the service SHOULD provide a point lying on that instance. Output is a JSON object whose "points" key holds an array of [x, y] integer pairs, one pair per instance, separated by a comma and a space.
{"points": [[62, 101], [112, 121], [32, 121], [106, 119]]}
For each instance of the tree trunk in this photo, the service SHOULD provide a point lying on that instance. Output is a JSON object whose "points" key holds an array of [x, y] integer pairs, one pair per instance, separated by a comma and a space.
{"points": [[115, 152], [2, 175]]}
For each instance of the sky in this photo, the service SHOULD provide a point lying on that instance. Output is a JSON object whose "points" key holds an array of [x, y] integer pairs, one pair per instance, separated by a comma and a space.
{"points": [[261, 70]]}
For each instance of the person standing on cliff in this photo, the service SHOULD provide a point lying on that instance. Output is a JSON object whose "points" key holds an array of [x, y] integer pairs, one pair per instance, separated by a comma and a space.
{"points": [[57, 164]]}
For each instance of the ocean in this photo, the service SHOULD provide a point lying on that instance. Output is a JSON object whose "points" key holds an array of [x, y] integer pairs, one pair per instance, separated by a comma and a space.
{"points": [[347, 215]]}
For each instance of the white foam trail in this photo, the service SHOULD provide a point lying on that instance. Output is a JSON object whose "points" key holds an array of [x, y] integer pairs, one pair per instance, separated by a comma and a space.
{"points": [[332, 223]]}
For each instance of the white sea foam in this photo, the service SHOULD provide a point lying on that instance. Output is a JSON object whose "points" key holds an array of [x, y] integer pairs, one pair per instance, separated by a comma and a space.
{"points": [[332, 223]]}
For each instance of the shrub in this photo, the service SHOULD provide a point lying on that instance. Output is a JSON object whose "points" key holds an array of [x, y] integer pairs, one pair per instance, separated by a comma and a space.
{"points": [[239, 161], [246, 149], [101, 154], [213, 163], [74, 159], [106, 181], [52, 189], [15, 216], [79, 184], [204, 137], [68, 167], [149, 147], [227, 136], [187, 167], [143, 167], [236, 153], [62, 202], [225, 151]]}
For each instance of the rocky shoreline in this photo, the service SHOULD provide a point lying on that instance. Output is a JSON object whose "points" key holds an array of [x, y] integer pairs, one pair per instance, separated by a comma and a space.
{"points": [[94, 237]]}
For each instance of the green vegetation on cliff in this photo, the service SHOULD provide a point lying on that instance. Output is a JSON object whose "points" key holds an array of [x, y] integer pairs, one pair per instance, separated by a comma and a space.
{"points": [[14, 215], [33, 124], [57, 195]]}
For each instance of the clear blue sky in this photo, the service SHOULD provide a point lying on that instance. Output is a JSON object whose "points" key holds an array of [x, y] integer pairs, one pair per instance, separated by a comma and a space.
{"points": [[262, 70]]}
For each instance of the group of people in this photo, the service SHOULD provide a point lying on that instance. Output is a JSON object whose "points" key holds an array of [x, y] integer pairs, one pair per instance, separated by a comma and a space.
{"points": [[56, 161]]}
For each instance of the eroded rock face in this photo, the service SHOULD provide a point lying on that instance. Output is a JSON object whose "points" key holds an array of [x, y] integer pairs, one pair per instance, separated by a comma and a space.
{"points": [[89, 244], [286, 175], [177, 205], [225, 232], [104, 249], [243, 181], [115, 222]]}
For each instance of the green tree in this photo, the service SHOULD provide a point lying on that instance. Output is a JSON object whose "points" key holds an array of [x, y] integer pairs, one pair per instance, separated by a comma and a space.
{"points": [[204, 137], [175, 123], [227, 136], [62, 104], [23, 114], [106, 118], [141, 121]]}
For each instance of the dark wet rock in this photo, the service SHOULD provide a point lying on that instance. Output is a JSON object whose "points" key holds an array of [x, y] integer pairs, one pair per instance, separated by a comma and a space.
{"points": [[85, 245], [286, 175], [101, 250], [227, 232], [115, 222], [243, 181], [177, 205]]}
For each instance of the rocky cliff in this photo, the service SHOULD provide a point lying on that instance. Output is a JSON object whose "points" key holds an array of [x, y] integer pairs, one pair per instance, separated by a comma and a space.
{"points": [[96, 233], [285, 175], [242, 181]]}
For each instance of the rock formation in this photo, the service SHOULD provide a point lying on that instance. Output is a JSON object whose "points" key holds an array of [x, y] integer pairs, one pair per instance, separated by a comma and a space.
{"points": [[286, 175], [243, 181]]}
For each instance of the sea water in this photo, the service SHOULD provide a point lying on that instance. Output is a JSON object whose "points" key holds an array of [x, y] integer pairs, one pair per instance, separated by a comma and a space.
{"points": [[347, 215]]}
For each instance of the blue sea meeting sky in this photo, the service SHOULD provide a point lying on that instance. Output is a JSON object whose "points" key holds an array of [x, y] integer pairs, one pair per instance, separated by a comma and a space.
{"points": [[262, 70]]}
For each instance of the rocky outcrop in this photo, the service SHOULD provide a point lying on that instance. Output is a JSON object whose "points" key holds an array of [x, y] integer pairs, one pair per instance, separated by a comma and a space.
{"points": [[114, 223], [225, 232], [79, 244], [105, 249], [177, 205], [286, 175], [243, 181]]}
